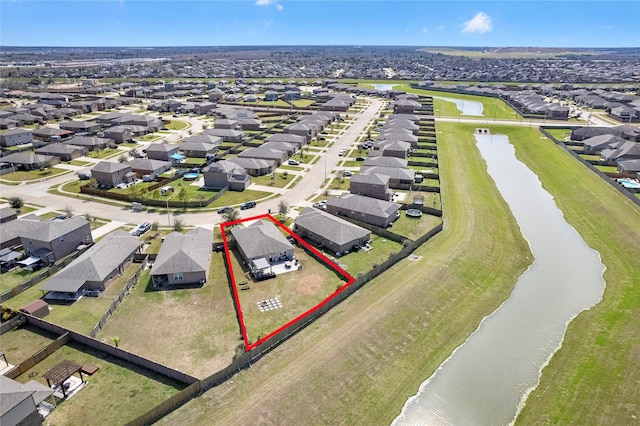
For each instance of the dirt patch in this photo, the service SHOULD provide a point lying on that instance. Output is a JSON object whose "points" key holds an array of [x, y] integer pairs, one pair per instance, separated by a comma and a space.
{"points": [[309, 284]]}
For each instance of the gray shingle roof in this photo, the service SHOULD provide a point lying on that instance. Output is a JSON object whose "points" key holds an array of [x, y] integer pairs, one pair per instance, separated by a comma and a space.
{"points": [[331, 227], [96, 263], [368, 205], [260, 239], [189, 252]]}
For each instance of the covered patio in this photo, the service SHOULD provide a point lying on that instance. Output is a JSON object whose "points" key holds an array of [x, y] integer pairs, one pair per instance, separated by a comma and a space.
{"points": [[60, 378]]}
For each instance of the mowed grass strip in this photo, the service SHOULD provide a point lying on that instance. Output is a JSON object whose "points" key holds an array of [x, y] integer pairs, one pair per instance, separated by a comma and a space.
{"points": [[193, 330], [594, 377], [360, 362]]}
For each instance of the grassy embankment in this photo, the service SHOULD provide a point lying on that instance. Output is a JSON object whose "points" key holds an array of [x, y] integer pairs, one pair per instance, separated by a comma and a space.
{"points": [[360, 362], [593, 378]]}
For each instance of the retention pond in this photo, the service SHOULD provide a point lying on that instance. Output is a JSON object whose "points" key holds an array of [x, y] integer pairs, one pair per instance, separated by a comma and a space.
{"points": [[487, 379]]}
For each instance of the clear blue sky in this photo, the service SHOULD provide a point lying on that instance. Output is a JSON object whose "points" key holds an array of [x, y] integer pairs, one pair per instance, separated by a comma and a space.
{"points": [[554, 23]]}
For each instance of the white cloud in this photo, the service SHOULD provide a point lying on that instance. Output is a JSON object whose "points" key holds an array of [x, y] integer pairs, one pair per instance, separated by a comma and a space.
{"points": [[481, 23], [425, 30], [269, 2]]}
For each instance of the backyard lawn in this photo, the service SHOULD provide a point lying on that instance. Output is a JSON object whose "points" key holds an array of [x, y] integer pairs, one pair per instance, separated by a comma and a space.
{"points": [[21, 342], [363, 261], [106, 153], [280, 180], [194, 330], [414, 228], [298, 291], [82, 315], [116, 393]]}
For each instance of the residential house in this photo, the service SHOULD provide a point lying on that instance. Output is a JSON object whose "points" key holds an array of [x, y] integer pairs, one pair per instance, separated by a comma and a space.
{"points": [[96, 268], [51, 240], [253, 124], [90, 143], [225, 173], [63, 151], [369, 210], [405, 106], [149, 169], [163, 152], [110, 174], [7, 214], [88, 127], [30, 160], [329, 231], [288, 148], [7, 123], [274, 155], [226, 123], [288, 138], [202, 108], [19, 402], [595, 144], [385, 162], [227, 135], [399, 178], [261, 244], [183, 258], [626, 150], [393, 148], [371, 185], [629, 166], [305, 129], [271, 95], [255, 166], [13, 137], [51, 134], [119, 134], [198, 148]]}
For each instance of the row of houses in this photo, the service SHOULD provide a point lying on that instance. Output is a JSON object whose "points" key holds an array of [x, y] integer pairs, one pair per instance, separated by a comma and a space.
{"points": [[617, 146], [36, 242]]}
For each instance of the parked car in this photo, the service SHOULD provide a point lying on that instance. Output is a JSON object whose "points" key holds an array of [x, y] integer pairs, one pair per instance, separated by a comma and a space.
{"points": [[141, 229], [293, 163], [223, 210], [359, 158], [347, 173], [247, 205]]}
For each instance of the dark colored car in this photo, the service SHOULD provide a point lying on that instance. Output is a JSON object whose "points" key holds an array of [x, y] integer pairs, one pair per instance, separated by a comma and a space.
{"points": [[247, 205], [223, 210]]}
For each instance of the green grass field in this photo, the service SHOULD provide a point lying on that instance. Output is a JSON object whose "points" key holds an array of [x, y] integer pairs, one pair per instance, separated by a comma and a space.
{"points": [[419, 312], [115, 394], [28, 175], [372, 351], [203, 320], [177, 125]]}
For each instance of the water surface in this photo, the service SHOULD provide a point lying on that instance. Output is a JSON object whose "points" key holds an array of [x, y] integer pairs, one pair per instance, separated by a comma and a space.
{"points": [[487, 379], [465, 106]]}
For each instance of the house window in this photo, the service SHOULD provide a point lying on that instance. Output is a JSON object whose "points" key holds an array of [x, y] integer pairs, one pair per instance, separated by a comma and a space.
{"points": [[178, 276]]}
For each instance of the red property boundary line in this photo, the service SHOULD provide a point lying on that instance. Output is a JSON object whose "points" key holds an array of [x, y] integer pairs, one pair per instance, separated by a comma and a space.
{"points": [[350, 279]]}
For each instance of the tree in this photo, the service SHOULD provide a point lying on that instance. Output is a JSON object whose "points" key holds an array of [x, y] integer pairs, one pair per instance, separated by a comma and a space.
{"points": [[123, 158], [46, 165], [285, 174], [116, 340], [133, 152], [155, 226], [178, 225], [183, 195], [231, 215], [16, 202], [283, 208], [90, 219], [68, 211]]}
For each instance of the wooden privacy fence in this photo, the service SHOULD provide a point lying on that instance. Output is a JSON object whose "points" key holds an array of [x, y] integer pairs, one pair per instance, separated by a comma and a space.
{"points": [[39, 277], [125, 290]]}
